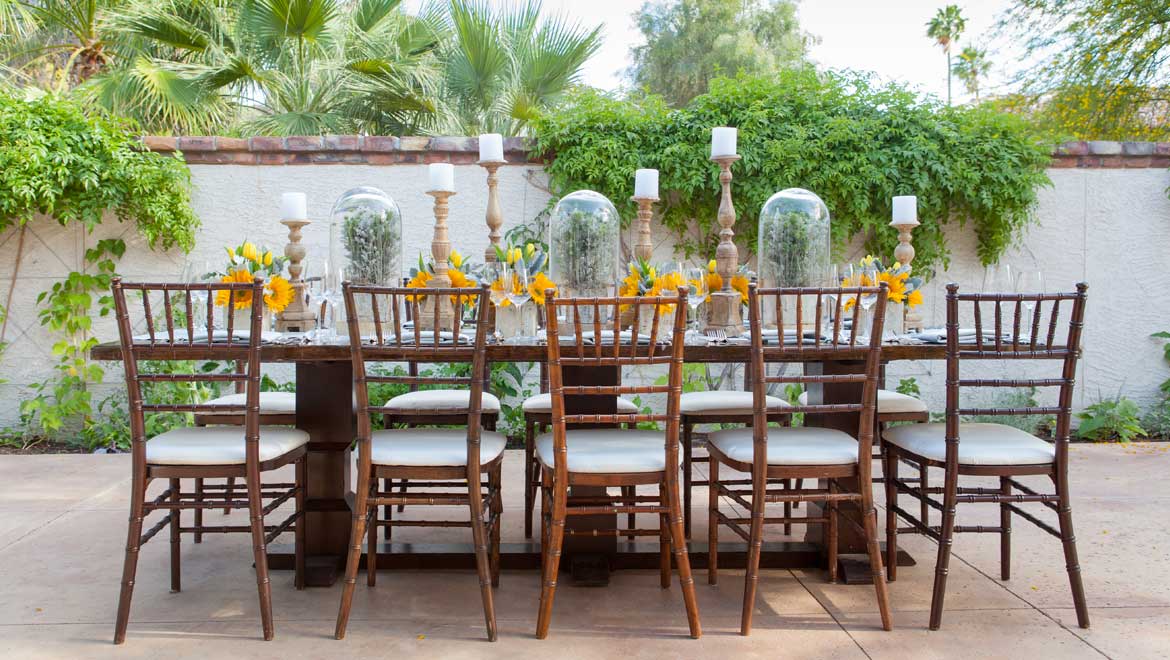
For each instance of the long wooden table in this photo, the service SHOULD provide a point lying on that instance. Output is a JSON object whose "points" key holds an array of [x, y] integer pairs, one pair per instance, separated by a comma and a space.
{"points": [[324, 407]]}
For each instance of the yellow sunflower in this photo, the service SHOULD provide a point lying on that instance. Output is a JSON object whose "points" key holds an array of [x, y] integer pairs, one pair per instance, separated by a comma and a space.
{"points": [[914, 298], [538, 286], [419, 281], [897, 286], [740, 284], [714, 282], [498, 285], [278, 293], [459, 279], [240, 299]]}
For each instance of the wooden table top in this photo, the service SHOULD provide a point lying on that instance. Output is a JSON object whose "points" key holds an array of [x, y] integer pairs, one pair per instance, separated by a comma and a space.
{"points": [[537, 353]]}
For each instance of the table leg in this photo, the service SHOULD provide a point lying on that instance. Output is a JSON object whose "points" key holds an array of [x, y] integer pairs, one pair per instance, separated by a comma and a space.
{"points": [[590, 557], [325, 410]]}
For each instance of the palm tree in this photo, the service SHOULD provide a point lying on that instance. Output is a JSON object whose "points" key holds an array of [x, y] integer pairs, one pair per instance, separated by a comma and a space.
{"points": [[500, 67], [970, 67], [277, 67], [59, 43], [945, 28]]}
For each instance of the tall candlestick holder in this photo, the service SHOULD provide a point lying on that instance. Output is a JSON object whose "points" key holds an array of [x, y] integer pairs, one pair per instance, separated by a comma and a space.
{"points": [[495, 213], [904, 254], [726, 310], [298, 316], [440, 251], [643, 247]]}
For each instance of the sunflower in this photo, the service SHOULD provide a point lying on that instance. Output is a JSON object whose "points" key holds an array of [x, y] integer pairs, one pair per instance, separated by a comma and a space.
{"points": [[897, 286], [240, 299], [419, 281], [667, 285], [740, 284], [914, 298], [278, 293], [498, 285], [459, 279], [537, 287], [714, 283]]}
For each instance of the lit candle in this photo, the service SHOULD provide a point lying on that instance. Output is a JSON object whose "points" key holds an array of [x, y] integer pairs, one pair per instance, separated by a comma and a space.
{"points": [[442, 176], [905, 210], [723, 141], [294, 206], [491, 147], [646, 183]]}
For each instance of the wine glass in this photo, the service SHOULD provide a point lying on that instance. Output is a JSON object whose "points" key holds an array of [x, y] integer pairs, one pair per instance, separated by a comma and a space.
{"points": [[518, 294], [329, 312], [696, 279], [997, 278], [1029, 282], [867, 276], [496, 273], [196, 272]]}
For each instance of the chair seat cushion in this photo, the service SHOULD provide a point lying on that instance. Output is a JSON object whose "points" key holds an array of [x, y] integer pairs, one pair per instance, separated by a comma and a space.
{"points": [[219, 445], [802, 445], [979, 444], [439, 401], [542, 403], [607, 451], [271, 403], [432, 447], [723, 402], [889, 401]]}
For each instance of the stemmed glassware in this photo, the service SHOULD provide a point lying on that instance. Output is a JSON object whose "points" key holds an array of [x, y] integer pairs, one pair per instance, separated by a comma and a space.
{"points": [[868, 277], [516, 285], [1031, 282], [327, 293], [696, 280], [196, 272], [497, 273]]}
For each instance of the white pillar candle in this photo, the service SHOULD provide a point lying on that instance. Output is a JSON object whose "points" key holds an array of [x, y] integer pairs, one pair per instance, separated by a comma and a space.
{"points": [[646, 183], [294, 206], [491, 147], [723, 141], [442, 177], [905, 210]]}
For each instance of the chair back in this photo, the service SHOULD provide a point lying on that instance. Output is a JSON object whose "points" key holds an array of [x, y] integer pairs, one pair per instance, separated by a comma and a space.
{"points": [[594, 344], [815, 341], [1022, 326], [386, 309], [173, 337]]}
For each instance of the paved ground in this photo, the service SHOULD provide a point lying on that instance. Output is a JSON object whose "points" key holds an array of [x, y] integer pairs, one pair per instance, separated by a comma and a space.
{"points": [[62, 529]]}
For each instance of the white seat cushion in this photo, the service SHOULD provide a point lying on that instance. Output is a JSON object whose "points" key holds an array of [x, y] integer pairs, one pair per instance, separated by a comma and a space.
{"points": [[542, 403], [723, 402], [219, 445], [271, 403], [432, 447], [607, 451], [979, 444], [889, 401], [440, 401], [802, 445]]}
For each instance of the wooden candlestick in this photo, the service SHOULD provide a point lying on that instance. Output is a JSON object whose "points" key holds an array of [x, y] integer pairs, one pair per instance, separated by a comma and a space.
{"points": [[298, 316], [440, 252], [495, 213], [904, 254], [643, 247], [725, 311]]}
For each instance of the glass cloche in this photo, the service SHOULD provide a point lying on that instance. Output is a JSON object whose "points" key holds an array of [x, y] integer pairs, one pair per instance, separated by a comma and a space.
{"points": [[585, 244], [794, 240], [365, 237]]}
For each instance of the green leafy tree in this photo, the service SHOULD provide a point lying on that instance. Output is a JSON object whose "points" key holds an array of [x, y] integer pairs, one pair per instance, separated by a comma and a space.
{"points": [[945, 28], [690, 42], [971, 67], [1102, 67]]}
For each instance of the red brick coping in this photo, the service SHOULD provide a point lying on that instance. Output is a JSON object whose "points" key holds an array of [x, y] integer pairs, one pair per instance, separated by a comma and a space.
{"points": [[390, 150]]}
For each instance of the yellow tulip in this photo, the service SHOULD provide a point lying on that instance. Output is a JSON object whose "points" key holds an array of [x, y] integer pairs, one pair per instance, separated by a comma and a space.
{"points": [[456, 258], [712, 266], [530, 249], [268, 258], [249, 252]]}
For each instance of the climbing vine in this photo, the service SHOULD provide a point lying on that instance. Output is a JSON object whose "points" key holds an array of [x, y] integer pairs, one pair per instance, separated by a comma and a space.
{"points": [[852, 141]]}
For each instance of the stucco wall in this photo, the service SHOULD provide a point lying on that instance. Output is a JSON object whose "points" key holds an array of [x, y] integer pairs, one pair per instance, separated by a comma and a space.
{"points": [[1106, 219]]}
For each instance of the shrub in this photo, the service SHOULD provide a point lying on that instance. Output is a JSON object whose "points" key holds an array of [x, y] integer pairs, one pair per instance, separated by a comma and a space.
{"points": [[1110, 419]]}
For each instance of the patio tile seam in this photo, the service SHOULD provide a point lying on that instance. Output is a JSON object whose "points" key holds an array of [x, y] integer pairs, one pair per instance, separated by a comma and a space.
{"points": [[34, 530], [831, 615]]}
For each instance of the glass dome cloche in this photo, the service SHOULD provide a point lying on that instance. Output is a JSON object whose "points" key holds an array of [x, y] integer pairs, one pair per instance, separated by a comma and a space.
{"points": [[794, 239], [584, 244], [365, 237]]}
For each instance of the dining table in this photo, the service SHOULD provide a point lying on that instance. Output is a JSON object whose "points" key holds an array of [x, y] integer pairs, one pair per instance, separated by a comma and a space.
{"points": [[325, 409]]}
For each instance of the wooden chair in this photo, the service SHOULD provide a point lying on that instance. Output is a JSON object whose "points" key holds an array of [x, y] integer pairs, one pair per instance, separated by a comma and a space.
{"points": [[450, 460], [612, 457], [835, 456], [964, 449], [204, 452]]}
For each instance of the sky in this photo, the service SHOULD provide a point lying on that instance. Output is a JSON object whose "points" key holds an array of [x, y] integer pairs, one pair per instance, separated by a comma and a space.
{"points": [[884, 36]]}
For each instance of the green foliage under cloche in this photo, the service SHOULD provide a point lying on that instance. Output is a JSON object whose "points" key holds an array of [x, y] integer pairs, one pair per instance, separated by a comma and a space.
{"points": [[854, 143]]}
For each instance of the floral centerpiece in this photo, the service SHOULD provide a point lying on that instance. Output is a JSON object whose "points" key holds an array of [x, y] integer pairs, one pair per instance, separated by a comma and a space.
{"points": [[534, 261], [644, 279], [902, 287], [739, 281], [459, 270], [246, 261]]}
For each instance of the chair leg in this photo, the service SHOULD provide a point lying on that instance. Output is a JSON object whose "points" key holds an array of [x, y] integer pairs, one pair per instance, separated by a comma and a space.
{"points": [[832, 533], [875, 561], [482, 562], [260, 552], [302, 482], [759, 485], [229, 491], [681, 559], [713, 522], [402, 491], [1069, 541], [529, 486], [1005, 533], [687, 450], [551, 556], [924, 484], [175, 517], [357, 532], [372, 539], [787, 508], [197, 535], [387, 510], [889, 474], [495, 484], [629, 492], [663, 543], [947, 534], [130, 564]]}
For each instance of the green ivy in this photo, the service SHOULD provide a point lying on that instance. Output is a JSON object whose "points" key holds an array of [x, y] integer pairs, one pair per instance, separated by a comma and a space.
{"points": [[851, 141]]}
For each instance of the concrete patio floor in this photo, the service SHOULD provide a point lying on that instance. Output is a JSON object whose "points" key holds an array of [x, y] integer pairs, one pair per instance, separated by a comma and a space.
{"points": [[62, 534]]}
